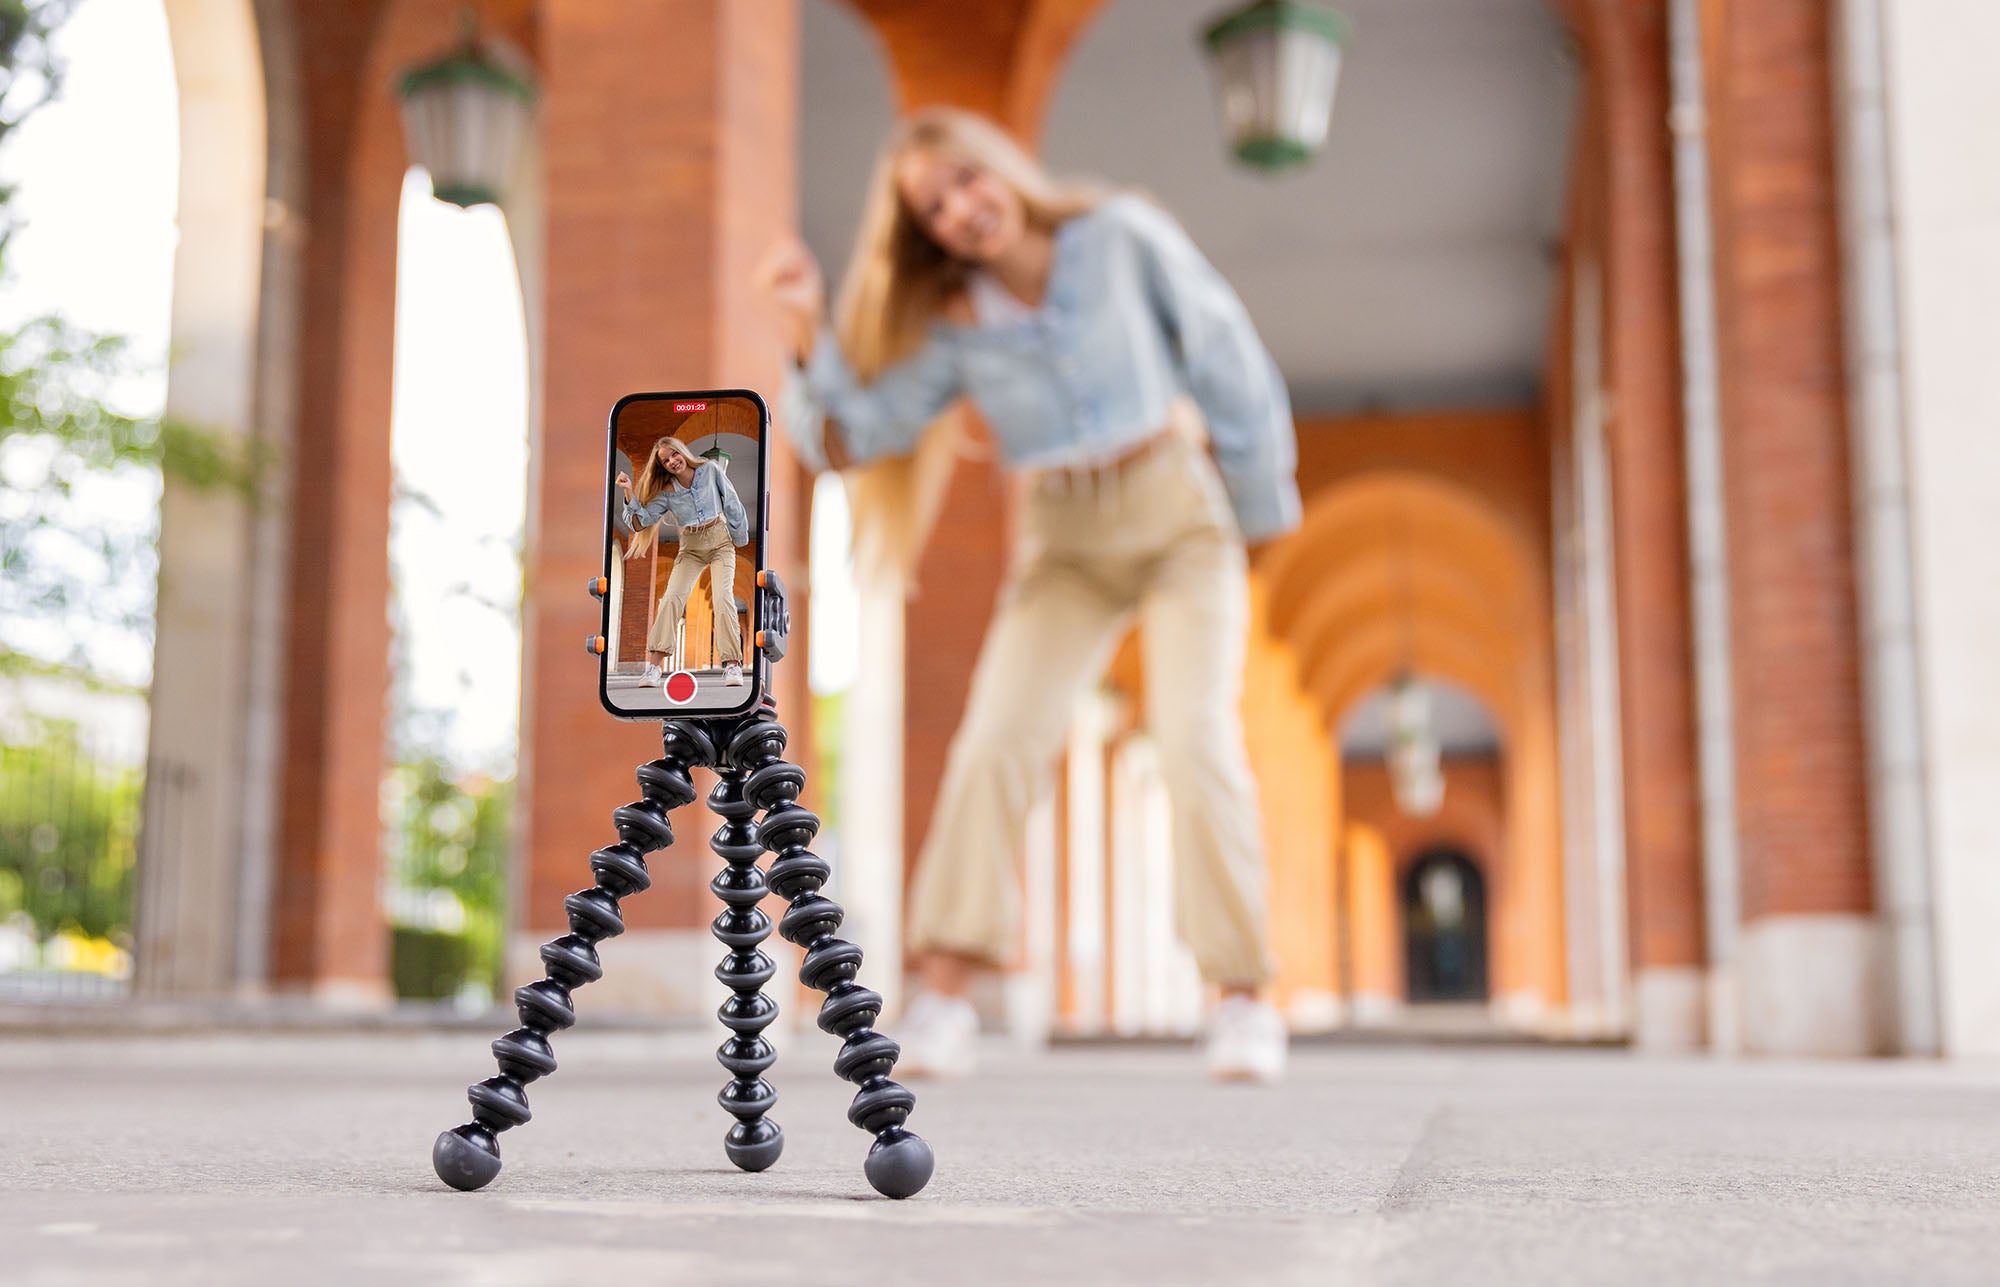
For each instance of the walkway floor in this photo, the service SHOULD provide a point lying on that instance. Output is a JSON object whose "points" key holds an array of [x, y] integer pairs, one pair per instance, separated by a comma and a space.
{"points": [[304, 1159]]}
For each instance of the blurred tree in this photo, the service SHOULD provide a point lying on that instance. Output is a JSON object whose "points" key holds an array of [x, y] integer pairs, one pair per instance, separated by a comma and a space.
{"points": [[29, 73], [449, 833], [68, 835], [61, 564]]}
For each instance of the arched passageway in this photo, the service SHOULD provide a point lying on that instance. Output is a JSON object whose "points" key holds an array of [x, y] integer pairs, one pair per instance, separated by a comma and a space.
{"points": [[1444, 928]]}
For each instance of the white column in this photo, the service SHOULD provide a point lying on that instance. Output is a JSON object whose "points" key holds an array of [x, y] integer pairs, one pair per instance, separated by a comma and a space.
{"points": [[1593, 763], [191, 843], [1943, 99], [871, 802], [1898, 829], [1085, 838]]}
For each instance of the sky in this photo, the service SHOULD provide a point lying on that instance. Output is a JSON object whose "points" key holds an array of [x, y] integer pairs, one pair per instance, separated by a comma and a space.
{"points": [[97, 184]]}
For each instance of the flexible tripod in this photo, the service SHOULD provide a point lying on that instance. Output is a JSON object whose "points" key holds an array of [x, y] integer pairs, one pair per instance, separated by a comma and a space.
{"points": [[747, 754]]}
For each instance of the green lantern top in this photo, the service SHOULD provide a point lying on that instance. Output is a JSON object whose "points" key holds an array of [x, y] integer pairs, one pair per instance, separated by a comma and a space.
{"points": [[465, 65], [1279, 15]]}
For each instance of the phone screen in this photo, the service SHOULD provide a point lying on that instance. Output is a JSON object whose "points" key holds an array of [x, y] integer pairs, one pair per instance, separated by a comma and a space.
{"points": [[683, 543]]}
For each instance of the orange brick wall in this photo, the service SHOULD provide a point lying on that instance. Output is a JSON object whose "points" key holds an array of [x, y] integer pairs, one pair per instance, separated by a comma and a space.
{"points": [[1801, 772]]}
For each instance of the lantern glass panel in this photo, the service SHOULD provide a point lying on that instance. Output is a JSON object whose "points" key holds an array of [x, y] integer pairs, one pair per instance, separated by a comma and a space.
{"points": [[1275, 68]]}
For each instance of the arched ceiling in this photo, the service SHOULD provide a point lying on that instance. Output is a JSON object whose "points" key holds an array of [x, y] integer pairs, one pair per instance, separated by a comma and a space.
{"points": [[1409, 265]]}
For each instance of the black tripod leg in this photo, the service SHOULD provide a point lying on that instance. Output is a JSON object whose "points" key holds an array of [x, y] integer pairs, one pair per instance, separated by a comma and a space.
{"points": [[900, 1162], [755, 1141], [468, 1156]]}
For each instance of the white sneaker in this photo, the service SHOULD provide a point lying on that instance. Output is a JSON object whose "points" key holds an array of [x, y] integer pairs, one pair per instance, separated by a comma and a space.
{"points": [[1246, 1041], [939, 1036], [732, 674], [652, 675]]}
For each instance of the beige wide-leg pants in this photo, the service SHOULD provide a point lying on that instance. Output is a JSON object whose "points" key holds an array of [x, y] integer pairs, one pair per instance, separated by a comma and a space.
{"points": [[705, 547], [1151, 537]]}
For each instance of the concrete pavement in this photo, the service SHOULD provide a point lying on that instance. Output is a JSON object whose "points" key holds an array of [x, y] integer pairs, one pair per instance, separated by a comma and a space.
{"points": [[304, 1159]]}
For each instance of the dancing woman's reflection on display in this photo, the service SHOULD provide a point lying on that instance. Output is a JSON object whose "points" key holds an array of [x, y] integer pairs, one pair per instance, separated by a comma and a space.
{"points": [[695, 502]]}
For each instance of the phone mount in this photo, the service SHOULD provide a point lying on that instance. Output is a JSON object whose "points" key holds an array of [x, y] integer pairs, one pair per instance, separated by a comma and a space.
{"points": [[756, 796]]}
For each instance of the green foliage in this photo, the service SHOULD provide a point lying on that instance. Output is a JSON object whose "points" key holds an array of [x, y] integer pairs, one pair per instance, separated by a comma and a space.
{"points": [[68, 835], [449, 834], [429, 965], [68, 566]]}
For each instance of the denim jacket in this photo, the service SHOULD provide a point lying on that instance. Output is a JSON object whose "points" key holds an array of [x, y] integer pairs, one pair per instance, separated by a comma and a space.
{"points": [[1132, 317], [711, 496]]}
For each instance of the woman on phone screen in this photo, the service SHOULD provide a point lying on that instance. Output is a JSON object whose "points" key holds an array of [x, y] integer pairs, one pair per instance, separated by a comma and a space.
{"points": [[709, 523], [1077, 323]]}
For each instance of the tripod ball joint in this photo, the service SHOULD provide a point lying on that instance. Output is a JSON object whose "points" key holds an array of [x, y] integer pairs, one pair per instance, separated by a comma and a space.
{"points": [[755, 1141]]}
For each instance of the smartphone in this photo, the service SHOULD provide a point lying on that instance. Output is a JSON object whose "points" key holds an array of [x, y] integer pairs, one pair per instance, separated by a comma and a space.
{"points": [[685, 514]]}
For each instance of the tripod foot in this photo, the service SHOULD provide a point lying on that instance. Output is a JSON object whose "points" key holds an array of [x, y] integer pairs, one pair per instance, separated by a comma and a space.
{"points": [[899, 1164], [754, 1146], [468, 1157]]}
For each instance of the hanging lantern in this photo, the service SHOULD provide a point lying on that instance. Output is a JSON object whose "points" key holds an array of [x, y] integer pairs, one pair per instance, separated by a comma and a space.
{"points": [[465, 116], [1276, 62], [1416, 778]]}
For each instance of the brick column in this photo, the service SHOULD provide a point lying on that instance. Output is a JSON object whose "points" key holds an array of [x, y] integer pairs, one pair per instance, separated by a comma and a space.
{"points": [[669, 137], [1808, 939], [327, 931], [1628, 89]]}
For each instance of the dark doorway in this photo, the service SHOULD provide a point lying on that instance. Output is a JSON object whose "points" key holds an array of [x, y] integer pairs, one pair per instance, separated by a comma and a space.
{"points": [[1444, 928]]}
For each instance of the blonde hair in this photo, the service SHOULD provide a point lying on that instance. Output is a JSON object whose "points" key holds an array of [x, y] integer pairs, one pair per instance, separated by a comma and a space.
{"points": [[652, 480], [898, 281]]}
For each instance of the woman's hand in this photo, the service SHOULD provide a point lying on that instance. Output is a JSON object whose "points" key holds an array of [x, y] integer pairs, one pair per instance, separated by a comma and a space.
{"points": [[625, 482], [790, 277]]}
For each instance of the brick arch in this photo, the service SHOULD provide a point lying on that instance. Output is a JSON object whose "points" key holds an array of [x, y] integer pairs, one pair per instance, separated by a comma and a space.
{"points": [[1445, 618], [1373, 581], [1399, 566], [1371, 655], [326, 922], [1395, 555], [1396, 508]]}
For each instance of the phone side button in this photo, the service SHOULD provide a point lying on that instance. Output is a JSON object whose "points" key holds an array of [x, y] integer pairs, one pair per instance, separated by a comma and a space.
{"points": [[594, 645]]}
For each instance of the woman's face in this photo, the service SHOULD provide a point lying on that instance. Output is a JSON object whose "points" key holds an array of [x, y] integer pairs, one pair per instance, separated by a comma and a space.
{"points": [[970, 212], [672, 459]]}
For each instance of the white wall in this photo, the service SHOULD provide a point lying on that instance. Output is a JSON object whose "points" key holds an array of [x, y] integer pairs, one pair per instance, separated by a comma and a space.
{"points": [[1944, 120]]}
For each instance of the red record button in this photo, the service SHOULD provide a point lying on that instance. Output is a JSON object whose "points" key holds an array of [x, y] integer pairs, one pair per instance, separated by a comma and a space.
{"points": [[679, 688]]}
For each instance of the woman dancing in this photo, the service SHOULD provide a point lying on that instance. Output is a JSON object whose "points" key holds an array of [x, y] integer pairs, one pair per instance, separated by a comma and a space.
{"points": [[1075, 322], [709, 523]]}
